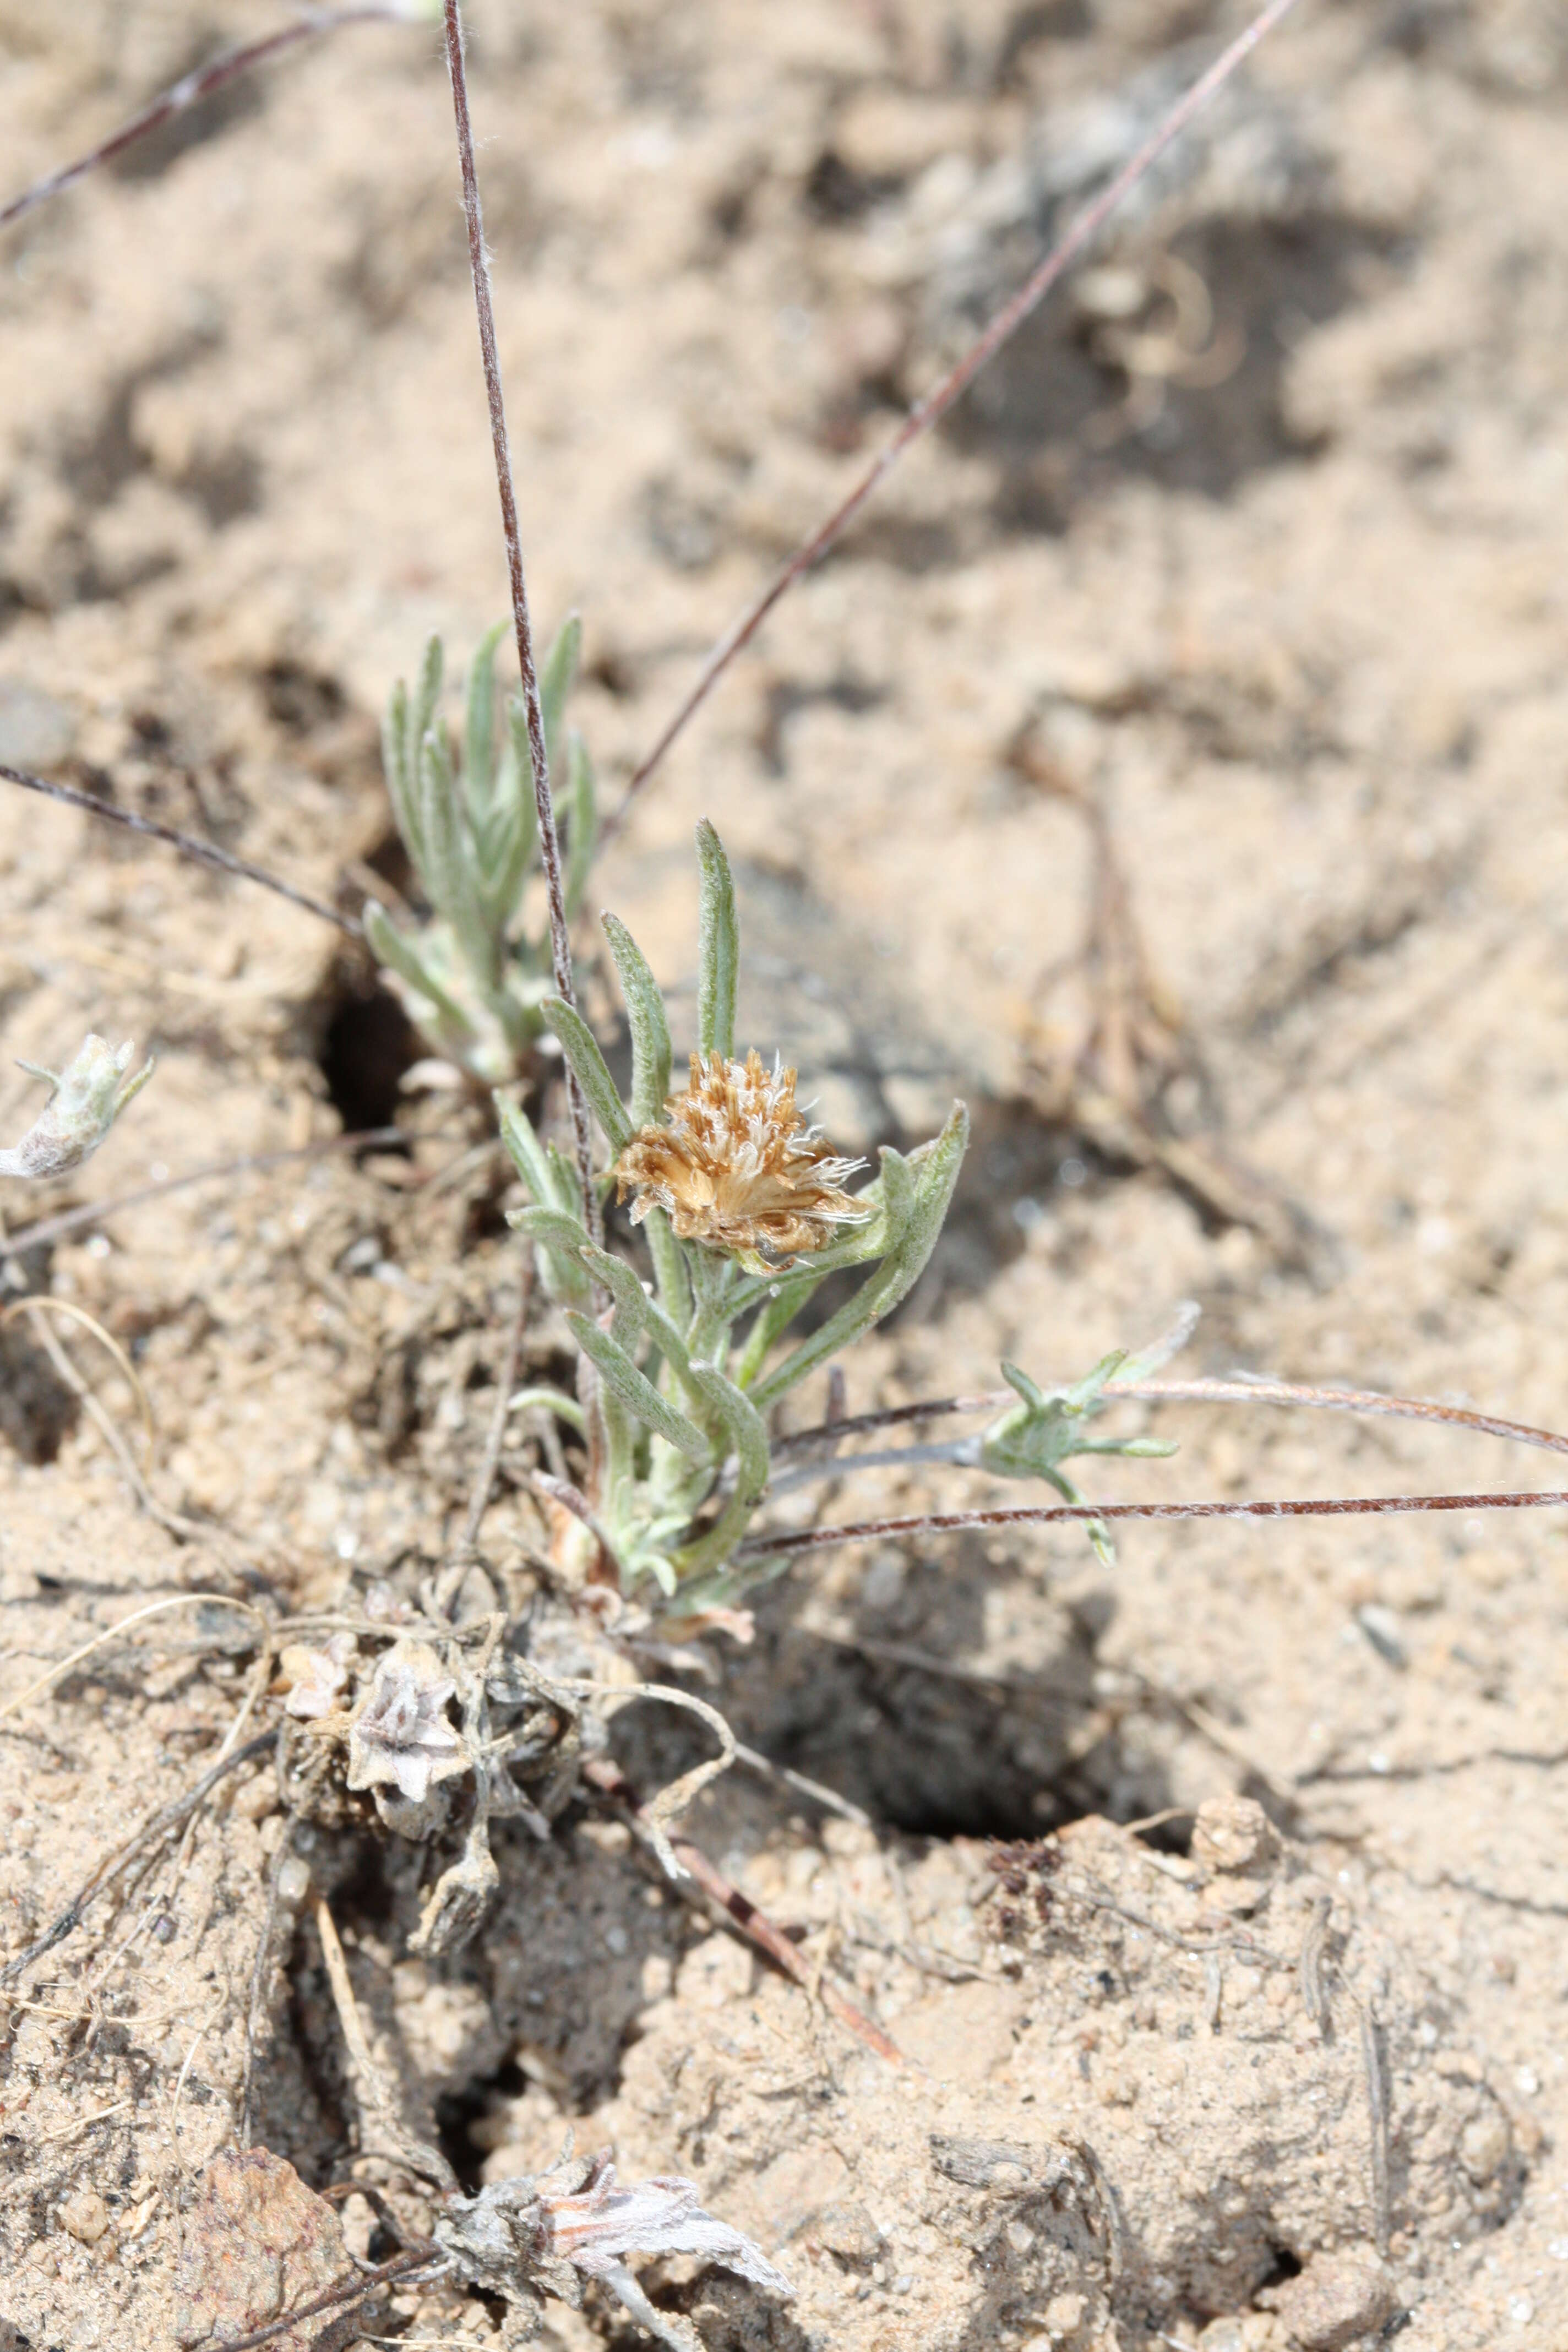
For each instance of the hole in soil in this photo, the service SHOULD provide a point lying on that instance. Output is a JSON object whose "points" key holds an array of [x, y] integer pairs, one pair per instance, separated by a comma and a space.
{"points": [[457, 2111], [367, 1046], [38, 1411]]}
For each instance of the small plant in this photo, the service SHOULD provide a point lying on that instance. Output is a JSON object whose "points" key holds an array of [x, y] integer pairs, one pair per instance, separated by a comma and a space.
{"points": [[89, 1095], [472, 977], [745, 1214]]}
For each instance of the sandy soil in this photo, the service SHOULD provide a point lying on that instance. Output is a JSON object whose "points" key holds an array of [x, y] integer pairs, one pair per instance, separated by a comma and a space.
{"points": [[1253, 548]]}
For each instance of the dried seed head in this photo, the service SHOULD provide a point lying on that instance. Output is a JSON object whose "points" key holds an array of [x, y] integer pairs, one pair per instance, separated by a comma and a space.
{"points": [[401, 1738], [737, 1167], [89, 1095]]}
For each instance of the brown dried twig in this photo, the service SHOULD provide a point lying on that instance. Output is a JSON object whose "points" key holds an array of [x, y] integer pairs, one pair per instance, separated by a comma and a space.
{"points": [[157, 1826], [203, 853], [357, 2288], [191, 87], [758, 1929], [936, 402]]}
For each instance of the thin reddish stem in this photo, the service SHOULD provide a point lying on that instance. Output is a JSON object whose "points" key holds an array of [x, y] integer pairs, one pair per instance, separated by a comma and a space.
{"points": [[1370, 1402], [538, 758], [1063, 1514], [190, 91], [204, 853], [936, 402]]}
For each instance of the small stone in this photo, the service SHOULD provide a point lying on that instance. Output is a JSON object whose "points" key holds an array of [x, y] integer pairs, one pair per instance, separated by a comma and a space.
{"points": [[1233, 1834], [1336, 2299], [1484, 2147], [86, 2216]]}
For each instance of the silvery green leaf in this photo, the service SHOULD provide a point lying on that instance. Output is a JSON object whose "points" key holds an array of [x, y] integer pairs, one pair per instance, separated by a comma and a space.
{"points": [[645, 1017], [399, 774], [555, 680], [510, 831], [917, 1193], [788, 1293], [1153, 1359], [669, 1266], [635, 1391], [548, 1177], [448, 869], [717, 948], [480, 725], [394, 952], [556, 1233], [583, 820], [743, 1425], [554, 1226], [581, 1049], [631, 1301], [89, 1095]]}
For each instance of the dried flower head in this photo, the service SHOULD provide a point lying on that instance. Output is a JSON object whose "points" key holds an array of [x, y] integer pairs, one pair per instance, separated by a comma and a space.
{"points": [[400, 1736], [737, 1167], [89, 1096]]}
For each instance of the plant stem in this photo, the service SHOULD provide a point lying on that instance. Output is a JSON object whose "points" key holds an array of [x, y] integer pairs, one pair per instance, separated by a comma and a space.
{"points": [[193, 88], [1061, 1514], [1369, 1403], [936, 402], [539, 760], [204, 853]]}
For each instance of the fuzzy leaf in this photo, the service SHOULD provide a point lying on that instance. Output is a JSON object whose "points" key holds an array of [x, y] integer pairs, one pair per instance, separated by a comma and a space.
{"points": [[635, 1391], [924, 1200], [547, 1176], [650, 1030], [581, 1049], [742, 1426], [583, 813], [631, 1300], [480, 725], [394, 952], [717, 948], [556, 678], [508, 835], [449, 875]]}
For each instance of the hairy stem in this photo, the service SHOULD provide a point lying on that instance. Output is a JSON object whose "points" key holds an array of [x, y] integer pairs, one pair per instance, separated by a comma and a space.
{"points": [[538, 758], [204, 853], [1061, 1514]]}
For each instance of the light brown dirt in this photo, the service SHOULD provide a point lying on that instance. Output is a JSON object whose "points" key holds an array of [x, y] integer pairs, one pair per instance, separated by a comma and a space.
{"points": [[1303, 628]]}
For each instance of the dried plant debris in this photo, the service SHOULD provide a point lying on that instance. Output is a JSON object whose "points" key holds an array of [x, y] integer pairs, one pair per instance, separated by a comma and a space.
{"points": [[577, 2222], [89, 1095]]}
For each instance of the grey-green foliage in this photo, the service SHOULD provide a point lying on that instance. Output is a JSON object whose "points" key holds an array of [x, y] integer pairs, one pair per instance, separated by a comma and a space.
{"points": [[683, 1368], [1046, 1427], [87, 1097], [473, 976]]}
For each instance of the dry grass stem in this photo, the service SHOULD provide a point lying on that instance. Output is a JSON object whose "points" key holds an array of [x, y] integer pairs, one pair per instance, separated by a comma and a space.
{"points": [[188, 844], [936, 402]]}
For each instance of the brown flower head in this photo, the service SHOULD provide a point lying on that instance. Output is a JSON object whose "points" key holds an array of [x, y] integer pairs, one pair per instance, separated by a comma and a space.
{"points": [[737, 1167]]}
